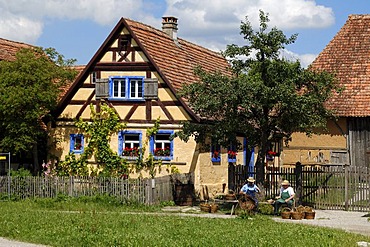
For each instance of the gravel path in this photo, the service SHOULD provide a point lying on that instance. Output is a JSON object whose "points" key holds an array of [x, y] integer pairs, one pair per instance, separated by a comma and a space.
{"points": [[348, 221], [11, 243]]}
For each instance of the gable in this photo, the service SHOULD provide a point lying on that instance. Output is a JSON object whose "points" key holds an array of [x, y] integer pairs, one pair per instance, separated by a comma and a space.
{"points": [[136, 50]]}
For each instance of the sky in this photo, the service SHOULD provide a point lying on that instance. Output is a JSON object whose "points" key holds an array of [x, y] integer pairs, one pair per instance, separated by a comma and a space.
{"points": [[77, 28]]}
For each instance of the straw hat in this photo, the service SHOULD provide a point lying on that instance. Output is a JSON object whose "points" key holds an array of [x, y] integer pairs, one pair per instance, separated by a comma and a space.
{"points": [[285, 182], [251, 180]]}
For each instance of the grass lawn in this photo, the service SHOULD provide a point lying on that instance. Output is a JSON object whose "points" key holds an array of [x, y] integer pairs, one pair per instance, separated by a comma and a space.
{"points": [[105, 222]]}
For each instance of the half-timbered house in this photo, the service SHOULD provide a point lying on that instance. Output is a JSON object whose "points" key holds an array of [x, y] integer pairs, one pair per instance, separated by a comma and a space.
{"points": [[144, 68]]}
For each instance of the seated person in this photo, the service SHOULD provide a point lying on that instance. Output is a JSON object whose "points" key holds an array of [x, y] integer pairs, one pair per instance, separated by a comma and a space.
{"points": [[286, 196], [250, 189]]}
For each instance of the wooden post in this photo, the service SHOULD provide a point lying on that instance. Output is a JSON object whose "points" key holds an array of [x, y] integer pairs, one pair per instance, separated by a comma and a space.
{"points": [[231, 177], [298, 177], [346, 178], [149, 191]]}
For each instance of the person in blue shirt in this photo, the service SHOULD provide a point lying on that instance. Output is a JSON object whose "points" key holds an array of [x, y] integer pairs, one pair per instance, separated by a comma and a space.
{"points": [[250, 189]]}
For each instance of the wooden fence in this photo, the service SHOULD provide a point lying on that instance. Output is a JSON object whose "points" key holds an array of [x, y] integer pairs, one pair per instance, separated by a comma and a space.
{"points": [[336, 187], [147, 191]]}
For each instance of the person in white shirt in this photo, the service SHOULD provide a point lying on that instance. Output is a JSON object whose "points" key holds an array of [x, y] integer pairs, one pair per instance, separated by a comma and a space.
{"points": [[286, 196]]}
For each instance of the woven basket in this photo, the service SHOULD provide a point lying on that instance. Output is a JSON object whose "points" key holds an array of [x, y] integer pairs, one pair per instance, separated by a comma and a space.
{"points": [[309, 215], [205, 208], [214, 208], [297, 215], [230, 197], [285, 215]]}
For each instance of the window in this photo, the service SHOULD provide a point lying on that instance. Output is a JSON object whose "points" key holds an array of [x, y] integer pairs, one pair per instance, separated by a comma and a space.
{"points": [[161, 145], [125, 88], [76, 143], [232, 153], [215, 153], [129, 144]]}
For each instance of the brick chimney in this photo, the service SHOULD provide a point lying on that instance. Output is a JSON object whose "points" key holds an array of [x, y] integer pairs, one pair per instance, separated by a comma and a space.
{"points": [[169, 26]]}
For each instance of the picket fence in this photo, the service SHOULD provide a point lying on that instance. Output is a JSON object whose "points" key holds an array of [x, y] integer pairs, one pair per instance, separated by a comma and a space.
{"points": [[335, 187], [146, 191]]}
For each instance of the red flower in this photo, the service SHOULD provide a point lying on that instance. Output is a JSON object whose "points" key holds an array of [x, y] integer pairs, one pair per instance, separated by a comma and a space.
{"points": [[232, 154], [272, 153], [216, 154]]}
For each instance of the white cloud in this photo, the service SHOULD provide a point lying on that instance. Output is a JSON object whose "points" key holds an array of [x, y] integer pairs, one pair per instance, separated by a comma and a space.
{"points": [[305, 59], [23, 19], [216, 24], [212, 24], [19, 28]]}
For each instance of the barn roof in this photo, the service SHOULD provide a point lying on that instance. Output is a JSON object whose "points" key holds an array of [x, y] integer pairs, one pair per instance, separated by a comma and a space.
{"points": [[348, 57], [9, 48]]}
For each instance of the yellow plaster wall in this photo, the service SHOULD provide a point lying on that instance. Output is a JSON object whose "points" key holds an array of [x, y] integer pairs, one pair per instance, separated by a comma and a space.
{"points": [[178, 112], [318, 147], [108, 56], [158, 112], [187, 157], [122, 110], [70, 111], [165, 94], [139, 114], [83, 93]]}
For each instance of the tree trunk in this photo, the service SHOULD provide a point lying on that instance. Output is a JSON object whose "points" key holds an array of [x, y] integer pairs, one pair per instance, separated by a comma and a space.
{"points": [[35, 159], [260, 168]]}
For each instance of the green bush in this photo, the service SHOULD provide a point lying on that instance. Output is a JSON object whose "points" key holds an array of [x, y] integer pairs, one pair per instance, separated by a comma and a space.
{"points": [[21, 172], [267, 209]]}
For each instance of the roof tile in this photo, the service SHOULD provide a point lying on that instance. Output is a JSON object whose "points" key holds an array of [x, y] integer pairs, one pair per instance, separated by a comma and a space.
{"points": [[348, 57]]}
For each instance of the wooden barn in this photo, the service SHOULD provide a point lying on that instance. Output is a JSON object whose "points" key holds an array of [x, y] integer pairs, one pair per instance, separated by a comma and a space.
{"points": [[347, 140]]}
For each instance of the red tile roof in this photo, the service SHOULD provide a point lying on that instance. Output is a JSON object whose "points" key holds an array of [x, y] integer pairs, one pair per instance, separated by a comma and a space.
{"points": [[176, 60], [9, 48], [348, 57]]}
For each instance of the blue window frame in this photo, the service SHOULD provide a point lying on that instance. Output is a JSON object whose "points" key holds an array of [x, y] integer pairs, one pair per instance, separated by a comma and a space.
{"points": [[129, 144], [76, 143], [126, 88], [215, 153], [161, 145]]}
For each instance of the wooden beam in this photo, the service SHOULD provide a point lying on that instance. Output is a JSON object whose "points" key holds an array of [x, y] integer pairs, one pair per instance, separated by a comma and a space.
{"points": [[125, 66], [132, 110], [148, 110], [85, 104], [166, 112]]}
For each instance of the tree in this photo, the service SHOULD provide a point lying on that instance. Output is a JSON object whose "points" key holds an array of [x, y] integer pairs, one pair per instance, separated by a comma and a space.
{"points": [[266, 99], [29, 88]]}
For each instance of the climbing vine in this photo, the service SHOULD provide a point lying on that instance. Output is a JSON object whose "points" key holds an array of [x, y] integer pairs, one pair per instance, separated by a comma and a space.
{"points": [[98, 132]]}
